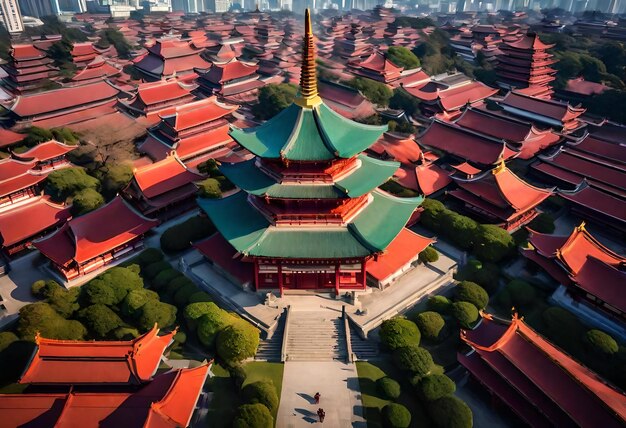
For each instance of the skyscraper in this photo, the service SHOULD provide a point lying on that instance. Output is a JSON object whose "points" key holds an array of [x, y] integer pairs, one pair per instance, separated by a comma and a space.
{"points": [[11, 16]]}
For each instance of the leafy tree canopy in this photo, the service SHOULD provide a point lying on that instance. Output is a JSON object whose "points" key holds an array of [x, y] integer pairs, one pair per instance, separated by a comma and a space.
{"points": [[376, 92], [86, 200], [274, 98], [65, 182], [402, 57]]}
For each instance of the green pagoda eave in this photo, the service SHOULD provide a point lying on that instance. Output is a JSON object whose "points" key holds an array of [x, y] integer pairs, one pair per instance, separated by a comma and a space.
{"points": [[250, 233], [370, 174], [308, 134]]}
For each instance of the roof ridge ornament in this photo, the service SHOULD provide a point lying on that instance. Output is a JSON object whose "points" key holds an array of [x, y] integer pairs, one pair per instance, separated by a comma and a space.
{"points": [[308, 97], [501, 167]]}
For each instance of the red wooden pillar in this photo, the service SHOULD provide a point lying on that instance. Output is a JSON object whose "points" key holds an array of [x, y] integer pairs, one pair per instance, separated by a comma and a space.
{"points": [[280, 278], [337, 277], [256, 274], [363, 273]]}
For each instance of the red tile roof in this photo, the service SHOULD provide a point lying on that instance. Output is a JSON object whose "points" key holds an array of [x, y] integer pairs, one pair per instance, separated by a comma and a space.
{"points": [[431, 178], [93, 234], [584, 87], [604, 281], [600, 148], [45, 151], [565, 392], [173, 48], [579, 246], [16, 175], [404, 249], [529, 41], [183, 64], [404, 150], [197, 113], [64, 98], [220, 73], [8, 137], [452, 98], [556, 110], [26, 52], [158, 92], [163, 176], [30, 219], [96, 69], [379, 62], [593, 199], [72, 362]]}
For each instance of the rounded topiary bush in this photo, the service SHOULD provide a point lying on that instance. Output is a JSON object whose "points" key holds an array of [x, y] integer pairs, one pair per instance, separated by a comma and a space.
{"points": [[430, 324], [487, 276], [165, 277], [465, 313], [237, 342], [153, 269], [467, 291], [262, 392], [600, 343], [6, 338], [37, 287], [253, 416], [149, 256], [440, 304], [520, 294], [435, 386], [492, 243], [200, 296], [399, 332], [450, 412], [431, 216], [414, 359], [428, 255], [388, 387], [396, 416], [460, 229]]}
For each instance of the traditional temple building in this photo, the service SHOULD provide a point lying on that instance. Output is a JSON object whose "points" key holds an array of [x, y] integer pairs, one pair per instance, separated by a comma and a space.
{"points": [[9, 138], [235, 81], [80, 362], [309, 214], [24, 222], [521, 135], [353, 44], [83, 53], [541, 384], [28, 69], [19, 181], [65, 106], [194, 130], [48, 155], [167, 58], [596, 205], [591, 272], [95, 70], [500, 197], [525, 63], [164, 189], [545, 113], [91, 241], [345, 100], [466, 145], [377, 67], [152, 98]]}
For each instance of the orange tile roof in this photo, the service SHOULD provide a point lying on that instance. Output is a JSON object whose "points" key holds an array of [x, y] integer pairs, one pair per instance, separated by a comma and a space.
{"points": [[25, 221], [45, 151], [88, 236], [220, 73], [8, 137], [580, 245], [157, 92], [26, 52], [196, 113], [163, 176], [72, 362], [16, 175]]}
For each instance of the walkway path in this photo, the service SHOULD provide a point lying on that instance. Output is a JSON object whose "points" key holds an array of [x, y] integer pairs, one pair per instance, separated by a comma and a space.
{"points": [[338, 384]]}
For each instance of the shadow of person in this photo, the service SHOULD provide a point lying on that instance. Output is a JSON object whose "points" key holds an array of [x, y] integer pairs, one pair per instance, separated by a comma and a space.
{"points": [[308, 416], [307, 397]]}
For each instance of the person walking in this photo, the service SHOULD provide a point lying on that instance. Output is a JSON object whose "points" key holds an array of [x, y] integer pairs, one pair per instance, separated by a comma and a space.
{"points": [[321, 414], [317, 397]]}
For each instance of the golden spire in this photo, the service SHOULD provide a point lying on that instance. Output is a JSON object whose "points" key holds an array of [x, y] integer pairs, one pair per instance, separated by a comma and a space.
{"points": [[308, 97]]}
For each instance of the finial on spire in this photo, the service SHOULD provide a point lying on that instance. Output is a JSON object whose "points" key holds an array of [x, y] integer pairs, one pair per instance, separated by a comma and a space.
{"points": [[581, 227], [309, 96]]}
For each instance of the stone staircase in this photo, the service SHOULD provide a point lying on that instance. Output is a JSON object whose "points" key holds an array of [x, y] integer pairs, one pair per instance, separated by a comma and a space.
{"points": [[270, 349], [363, 350], [316, 336]]}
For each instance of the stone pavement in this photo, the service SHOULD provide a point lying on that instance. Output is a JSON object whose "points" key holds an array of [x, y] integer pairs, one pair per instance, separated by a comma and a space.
{"points": [[338, 384]]}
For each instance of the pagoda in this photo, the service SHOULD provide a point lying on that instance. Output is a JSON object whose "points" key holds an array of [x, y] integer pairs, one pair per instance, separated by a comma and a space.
{"points": [[353, 44], [28, 69], [308, 214], [525, 63]]}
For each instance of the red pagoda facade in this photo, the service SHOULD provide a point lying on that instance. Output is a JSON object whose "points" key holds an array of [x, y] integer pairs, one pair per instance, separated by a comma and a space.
{"points": [[28, 69], [525, 63]]}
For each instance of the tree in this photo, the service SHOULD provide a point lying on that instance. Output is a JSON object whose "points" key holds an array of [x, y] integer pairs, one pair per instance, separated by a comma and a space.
{"points": [[41, 318], [402, 57], [492, 243], [163, 314], [262, 392], [450, 412], [65, 182], [62, 300], [460, 229], [402, 100], [517, 293], [273, 99], [467, 291], [125, 333], [135, 299], [148, 256], [430, 324], [116, 177], [433, 213], [253, 416], [399, 332], [439, 304], [153, 269], [180, 236], [35, 135], [465, 313], [396, 416], [562, 327], [114, 37], [600, 343], [165, 277], [211, 324], [200, 296], [388, 387], [376, 92], [99, 320], [181, 298], [210, 188], [434, 387], [237, 342], [428, 255], [85, 201], [194, 311], [97, 291], [6, 338], [414, 359], [65, 135]]}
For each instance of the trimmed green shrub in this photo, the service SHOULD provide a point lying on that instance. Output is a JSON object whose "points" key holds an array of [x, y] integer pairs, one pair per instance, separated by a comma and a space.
{"points": [[153, 311], [120, 280], [237, 342], [153, 269], [563, 327], [180, 236], [428, 255], [253, 416], [194, 311], [200, 296], [402, 57], [174, 285], [164, 278], [517, 293], [471, 292], [38, 287], [180, 337], [435, 386], [440, 304], [433, 212], [6, 338], [149, 256], [430, 324], [210, 188], [460, 229], [414, 359], [262, 392], [396, 416], [181, 298], [85, 201], [399, 332], [388, 387], [210, 324], [65, 182], [465, 313], [99, 319], [450, 412], [238, 375], [135, 299], [600, 343], [98, 292], [41, 317], [62, 300], [492, 243], [125, 333]]}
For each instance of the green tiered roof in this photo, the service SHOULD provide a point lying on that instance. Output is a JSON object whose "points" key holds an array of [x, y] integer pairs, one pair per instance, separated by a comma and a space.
{"points": [[251, 233], [368, 176], [308, 134]]}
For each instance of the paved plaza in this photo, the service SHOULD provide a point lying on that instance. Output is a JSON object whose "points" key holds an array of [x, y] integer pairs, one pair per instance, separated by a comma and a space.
{"points": [[338, 384]]}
